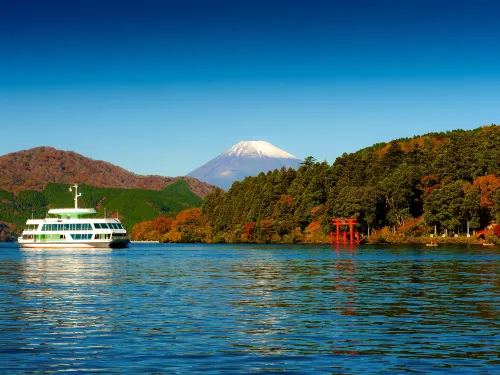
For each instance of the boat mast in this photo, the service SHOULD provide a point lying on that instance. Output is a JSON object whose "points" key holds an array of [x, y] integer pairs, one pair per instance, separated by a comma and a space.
{"points": [[76, 194]]}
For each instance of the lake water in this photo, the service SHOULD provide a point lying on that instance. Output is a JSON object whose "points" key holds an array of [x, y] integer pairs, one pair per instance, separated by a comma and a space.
{"points": [[215, 309]]}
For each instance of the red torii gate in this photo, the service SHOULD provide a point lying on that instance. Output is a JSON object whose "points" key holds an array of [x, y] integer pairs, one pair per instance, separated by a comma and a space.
{"points": [[353, 236]]}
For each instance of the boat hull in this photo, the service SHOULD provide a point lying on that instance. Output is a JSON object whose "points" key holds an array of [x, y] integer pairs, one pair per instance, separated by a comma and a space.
{"points": [[116, 244]]}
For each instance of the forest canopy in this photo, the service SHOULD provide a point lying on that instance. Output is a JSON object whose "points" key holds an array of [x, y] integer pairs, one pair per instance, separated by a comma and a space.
{"points": [[444, 182]]}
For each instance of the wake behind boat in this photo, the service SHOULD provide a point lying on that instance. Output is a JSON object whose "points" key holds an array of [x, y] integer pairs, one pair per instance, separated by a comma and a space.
{"points": [[66, 227]]}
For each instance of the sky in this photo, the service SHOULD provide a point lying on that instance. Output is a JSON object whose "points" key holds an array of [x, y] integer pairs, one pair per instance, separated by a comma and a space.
{"points": [[162, 87]]}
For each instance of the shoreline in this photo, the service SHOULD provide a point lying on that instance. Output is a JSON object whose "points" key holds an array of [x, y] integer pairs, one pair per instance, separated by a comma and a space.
{"points": [[388, 240]]}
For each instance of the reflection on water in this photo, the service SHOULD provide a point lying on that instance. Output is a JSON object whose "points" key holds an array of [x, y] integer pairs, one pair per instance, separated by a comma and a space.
{"points": [[256, 309], [64, 286]]}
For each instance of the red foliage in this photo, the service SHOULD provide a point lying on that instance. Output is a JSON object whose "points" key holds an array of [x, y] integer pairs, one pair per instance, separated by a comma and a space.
{"points": [[428, 183], [408, 145], [189, 215], [249, 227], [266, 224], [313, 227], [162, 224], [488, 185], [286, 200], [140, 230], [317, 211]]}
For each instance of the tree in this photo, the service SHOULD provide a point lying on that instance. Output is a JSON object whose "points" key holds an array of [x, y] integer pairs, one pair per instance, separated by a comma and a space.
{"points": [[453, 205], [399, 193], [308, 161]]}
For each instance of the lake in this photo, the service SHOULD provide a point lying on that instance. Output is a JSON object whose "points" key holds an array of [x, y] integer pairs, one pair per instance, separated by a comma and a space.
{"points": [[256, 309]]}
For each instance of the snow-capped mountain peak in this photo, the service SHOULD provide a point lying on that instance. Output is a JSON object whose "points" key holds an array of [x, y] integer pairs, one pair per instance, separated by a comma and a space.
{"points": [[257, 149], [244, 159]]}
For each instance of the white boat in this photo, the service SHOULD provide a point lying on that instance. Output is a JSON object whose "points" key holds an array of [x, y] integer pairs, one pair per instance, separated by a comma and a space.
{"points": [[67, 228]]}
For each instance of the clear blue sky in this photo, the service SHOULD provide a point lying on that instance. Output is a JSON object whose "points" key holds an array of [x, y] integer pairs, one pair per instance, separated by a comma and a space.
{"points": [[161, 87]]}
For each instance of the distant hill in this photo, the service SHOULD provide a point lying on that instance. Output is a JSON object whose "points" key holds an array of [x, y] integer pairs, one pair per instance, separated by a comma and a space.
{"points": [[242, 160], [32, 181], [33, 169], [130, 205]]}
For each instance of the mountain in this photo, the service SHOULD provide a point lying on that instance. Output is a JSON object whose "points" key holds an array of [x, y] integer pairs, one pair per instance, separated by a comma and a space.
{"points": [[33, 181], [242, 160], [33, 169]]}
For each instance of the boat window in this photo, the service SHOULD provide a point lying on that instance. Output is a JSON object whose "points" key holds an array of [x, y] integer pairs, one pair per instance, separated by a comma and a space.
{"points": [[66, 226], [80, 236], [104, 226], [97, 226], [78, 226]]}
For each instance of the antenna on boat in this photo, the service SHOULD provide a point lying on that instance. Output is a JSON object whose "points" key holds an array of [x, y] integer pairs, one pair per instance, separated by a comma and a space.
{"points": [[76, 194]]}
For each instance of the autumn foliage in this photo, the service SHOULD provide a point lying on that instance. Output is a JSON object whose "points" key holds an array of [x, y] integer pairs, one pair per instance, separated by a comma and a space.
{"points": [[33, 169], [188, 226], [409, 188], [444, 182], [488, 185]]}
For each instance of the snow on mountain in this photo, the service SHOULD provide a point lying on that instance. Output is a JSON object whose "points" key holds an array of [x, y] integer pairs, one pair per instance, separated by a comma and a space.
{"points": [[257, 149], [242, 160]]}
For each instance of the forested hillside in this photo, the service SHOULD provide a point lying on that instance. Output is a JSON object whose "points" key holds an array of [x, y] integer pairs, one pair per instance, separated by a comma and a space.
{"points": [[131, 205], [33, 169], [448, 180]]}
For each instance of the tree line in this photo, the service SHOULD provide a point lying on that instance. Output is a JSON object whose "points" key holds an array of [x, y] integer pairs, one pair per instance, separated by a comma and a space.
{"points": [[445, 182]]}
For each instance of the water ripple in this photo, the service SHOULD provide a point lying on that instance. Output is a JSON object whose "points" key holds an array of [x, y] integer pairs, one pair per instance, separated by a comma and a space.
{"points": [[250, 309]]}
